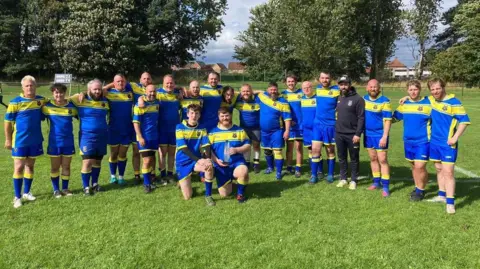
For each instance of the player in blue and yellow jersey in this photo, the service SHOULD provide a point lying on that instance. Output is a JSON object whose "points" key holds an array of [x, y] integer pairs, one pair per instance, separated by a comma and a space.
{"points": [[60, 113], [23, 135], [294, 97], [324, 127], [169, 117], [249, 109], [120, 127], [229, 98], [378, 120], [308, 109], [449, 122], [415, 113], [93, 134], [193, 98], [193, 154], [145, 121], [229, 143], [274, 112], [212, 101]]}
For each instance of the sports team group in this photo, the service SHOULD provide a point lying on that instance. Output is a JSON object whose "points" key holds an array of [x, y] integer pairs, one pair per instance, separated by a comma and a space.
{"points": [[193, 132]]}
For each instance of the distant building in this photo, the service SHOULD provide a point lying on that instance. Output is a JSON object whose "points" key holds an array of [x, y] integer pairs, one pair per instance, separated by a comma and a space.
{"points": [[218, 67], [401, 71], [236, 67]]}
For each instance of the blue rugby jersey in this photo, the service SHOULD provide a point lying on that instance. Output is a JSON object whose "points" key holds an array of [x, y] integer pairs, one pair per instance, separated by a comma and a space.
{"points": [[294, 100], [249, 113], [60, 119], [212, 100], [273, 113], [93, 117], [327, 99], [26, 115], [234, 136], [376, 113], [194, 138], [308, 109], [185, 102], [169, 111], [147, 118], [416, 120], [121, 111]]}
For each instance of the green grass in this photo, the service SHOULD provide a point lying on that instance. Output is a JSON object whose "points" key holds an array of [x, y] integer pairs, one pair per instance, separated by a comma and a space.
{"points": [[284, 224]]}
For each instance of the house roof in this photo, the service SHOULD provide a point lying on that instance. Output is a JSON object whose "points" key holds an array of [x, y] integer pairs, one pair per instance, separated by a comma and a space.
{"points": [[396, 64], [236, 66]]}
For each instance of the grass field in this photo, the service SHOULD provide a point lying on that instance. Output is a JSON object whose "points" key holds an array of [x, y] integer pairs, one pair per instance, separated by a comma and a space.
{"points": [[286, 224]]}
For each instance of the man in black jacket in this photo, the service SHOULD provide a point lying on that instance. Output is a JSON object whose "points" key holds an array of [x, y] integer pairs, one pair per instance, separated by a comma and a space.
{"points": [[349, 127]]}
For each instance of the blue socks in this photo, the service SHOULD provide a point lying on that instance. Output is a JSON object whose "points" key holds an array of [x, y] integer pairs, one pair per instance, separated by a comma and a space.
{"points": [[113, 167], [95, 174], [55, 181], [314, 165], [27, 182], [17, 185], [269, 159], [208, 188], [331, 166], [86, 179], [122, 165]]}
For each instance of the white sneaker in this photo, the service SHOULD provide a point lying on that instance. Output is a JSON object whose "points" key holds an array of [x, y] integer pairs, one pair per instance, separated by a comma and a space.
{"points": [[17, 202], [450, 209], [438, 199], [353, 185], [342, 183], [29, 197]]}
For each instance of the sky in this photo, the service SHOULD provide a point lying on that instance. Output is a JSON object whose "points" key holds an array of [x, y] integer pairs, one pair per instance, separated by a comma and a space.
{"points": [[237, 18]]}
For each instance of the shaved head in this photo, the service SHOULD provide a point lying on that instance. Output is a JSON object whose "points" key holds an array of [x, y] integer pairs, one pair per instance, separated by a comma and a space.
{"points": [[373, 88], [373, 82], [145, 79]]}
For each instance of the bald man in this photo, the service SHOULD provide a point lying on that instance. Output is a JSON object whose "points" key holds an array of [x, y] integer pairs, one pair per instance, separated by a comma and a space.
{"points": [[193, 98], [378, 119]]}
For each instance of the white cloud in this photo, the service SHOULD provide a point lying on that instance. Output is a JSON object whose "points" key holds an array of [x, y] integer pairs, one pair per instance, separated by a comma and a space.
{"points": [[238, 16]]}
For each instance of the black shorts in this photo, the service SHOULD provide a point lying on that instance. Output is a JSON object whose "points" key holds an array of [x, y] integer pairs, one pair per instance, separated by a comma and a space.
{"points": [[253, 134], [147, 153], [92, 157]]}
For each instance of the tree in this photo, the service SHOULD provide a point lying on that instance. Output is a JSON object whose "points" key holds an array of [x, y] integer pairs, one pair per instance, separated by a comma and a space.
{"points": [[421, 22]]}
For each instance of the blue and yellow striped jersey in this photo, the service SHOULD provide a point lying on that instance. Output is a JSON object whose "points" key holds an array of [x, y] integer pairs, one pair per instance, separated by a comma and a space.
{"points": [[26, 116], [93, 117], [169, 109], [234, 137], [273, 113], [308, 109], [147, 118], [326, 105], [138, 90], [416, 120], [60, 119], [212, 100], [194, 138], [232, 104], [121, 110], [294, 100], [376, 113], [185, 102], [446, 114], [249, 113]]}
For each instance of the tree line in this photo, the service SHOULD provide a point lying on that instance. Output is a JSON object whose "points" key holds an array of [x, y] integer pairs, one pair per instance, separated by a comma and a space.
{"points": [[92, 38]]}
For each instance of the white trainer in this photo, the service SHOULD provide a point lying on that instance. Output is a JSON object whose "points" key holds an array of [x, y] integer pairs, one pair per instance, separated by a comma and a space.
{"points": [[438, 199], [17, 202], [342, 183], [353, 185], [450, 209], [29, 197]]}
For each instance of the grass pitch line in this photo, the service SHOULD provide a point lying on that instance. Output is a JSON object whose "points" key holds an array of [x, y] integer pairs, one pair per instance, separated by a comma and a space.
{"points": [[466, 172]]}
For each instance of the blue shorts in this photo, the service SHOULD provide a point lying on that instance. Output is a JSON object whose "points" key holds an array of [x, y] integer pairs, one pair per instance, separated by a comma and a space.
{"points": [[417, 152], [117, 139], [324, 134], [370, 142], [27, 152], [295, 134], [60, 151], [443, 154], [150, 145], [167, 138], [307, 137], [184, 170], [90, 148], [272, 139], [224, 175]]}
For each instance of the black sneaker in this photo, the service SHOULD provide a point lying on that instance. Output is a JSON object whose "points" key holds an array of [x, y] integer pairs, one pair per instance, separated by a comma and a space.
{"points": [[241, 199], [87, 191], [96, 188], [137, 180], [147, 189], [417, 197], [256, 168]]}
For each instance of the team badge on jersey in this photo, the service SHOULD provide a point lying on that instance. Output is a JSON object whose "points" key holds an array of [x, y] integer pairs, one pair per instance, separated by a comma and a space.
{"points": [[253, 106], [234, 135], [444, 108], [375, 107], [199, 133], [330, 92], [69, 111], [299, 96], [313, 102], [39, 103], [103, 104], [274, 103], [420, 108], [129, 96]]}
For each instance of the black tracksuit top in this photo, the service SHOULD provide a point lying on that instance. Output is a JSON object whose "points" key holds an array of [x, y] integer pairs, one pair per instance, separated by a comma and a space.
{"points": [[350, 113]]}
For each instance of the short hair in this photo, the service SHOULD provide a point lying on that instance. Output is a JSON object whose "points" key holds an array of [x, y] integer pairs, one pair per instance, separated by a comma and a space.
{"points": [[120, 75], [224, 110], [28, 78], [291, 76], [324, 72], [58, 87], [214, 73], [248, 86], [436, 80], [194, 108], [272, 84], [415, 83], [93, 81], [168, 76]]}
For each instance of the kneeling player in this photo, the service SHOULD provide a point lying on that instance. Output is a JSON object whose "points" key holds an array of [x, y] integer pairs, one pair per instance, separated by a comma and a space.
{"points": [[192, 152], [145, 121], [229, 143]]}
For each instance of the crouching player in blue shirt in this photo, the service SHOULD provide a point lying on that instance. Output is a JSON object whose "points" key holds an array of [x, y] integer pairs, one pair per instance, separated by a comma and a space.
{"points": [[229, 142], [60, 113], [93, 134], [193, 154], [23, 135], [145, 122]]}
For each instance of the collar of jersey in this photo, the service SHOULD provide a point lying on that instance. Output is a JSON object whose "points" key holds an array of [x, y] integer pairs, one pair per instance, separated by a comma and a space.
{"points": [[185, 122], [53, 103], [23, 96], [221, 128]]}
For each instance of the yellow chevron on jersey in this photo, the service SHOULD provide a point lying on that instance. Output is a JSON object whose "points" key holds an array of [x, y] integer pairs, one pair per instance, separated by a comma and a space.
{"points": [[282, 107], [227, 135], [415, 108], [244, 106], [311, 102], [333, 93], [59, 110]]}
